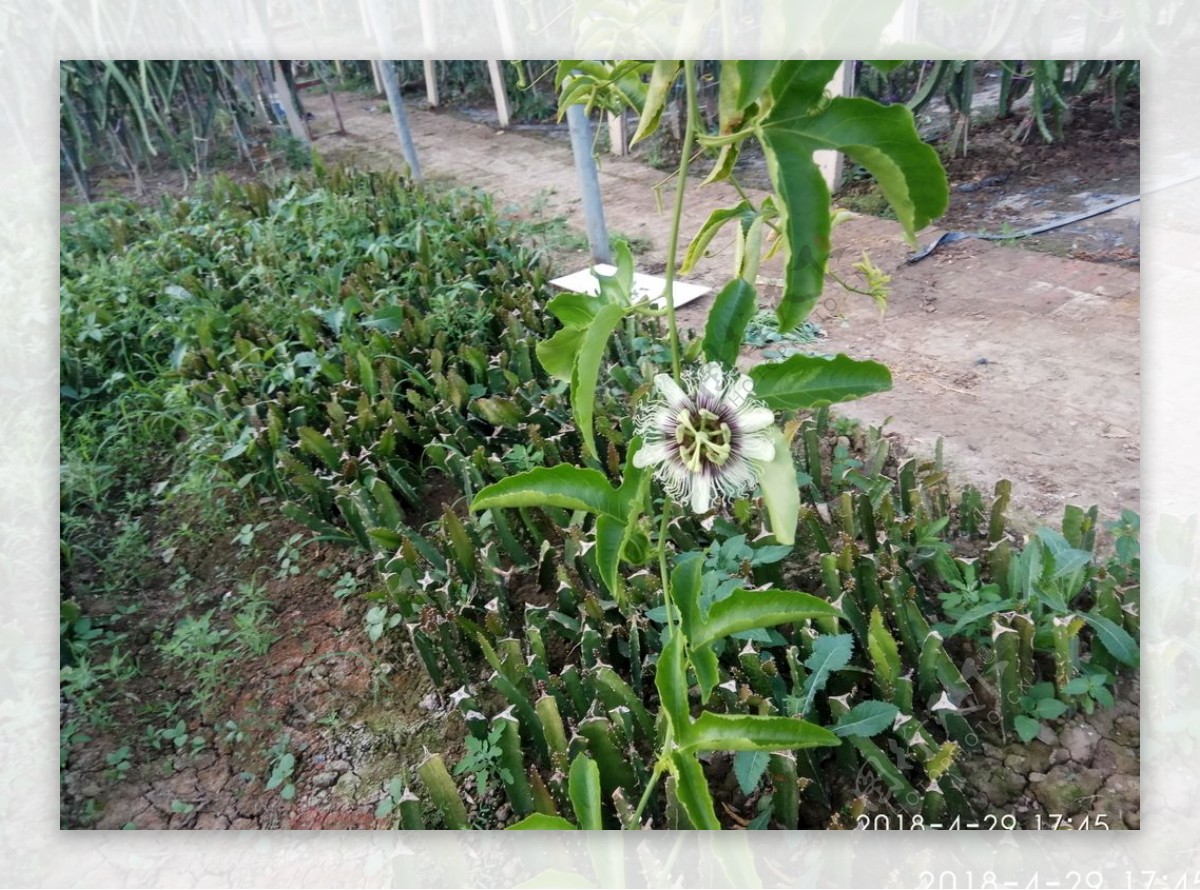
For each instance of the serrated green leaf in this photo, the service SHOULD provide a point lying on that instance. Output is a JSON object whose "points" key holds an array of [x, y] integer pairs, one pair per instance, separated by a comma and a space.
{"points": [[807, 381], [1078, 686], [1114, 638], [1067, 562], [746, 609], [744, 732], [780, 490], [583, 787], [570, 487], [866, 719], [731, 311], [830, 652], [748, 767]]}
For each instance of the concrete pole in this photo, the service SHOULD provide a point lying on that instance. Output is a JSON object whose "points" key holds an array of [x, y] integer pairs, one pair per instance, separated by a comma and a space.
{"points": [[589, 182], [391, 85]]}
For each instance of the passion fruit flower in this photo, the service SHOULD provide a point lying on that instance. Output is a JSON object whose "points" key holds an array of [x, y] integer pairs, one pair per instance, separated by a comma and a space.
{"points": [[707, 442]]}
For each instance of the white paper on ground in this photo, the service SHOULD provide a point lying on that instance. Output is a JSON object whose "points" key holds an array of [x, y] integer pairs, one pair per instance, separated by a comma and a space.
{"points": [[645, 287]]}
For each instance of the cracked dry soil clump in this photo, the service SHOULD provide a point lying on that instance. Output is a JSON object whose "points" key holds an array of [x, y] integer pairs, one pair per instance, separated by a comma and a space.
{"points": [[354, 719], [1082, 773]]}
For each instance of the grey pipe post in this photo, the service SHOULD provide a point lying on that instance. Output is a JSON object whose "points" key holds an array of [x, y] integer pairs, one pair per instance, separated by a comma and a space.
{"points": [[589, 182], [391, 86]]}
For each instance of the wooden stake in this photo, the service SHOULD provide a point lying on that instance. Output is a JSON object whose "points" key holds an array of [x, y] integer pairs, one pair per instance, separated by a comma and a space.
{"points": [[498, 89], [828, 160], [284, 96], [618, 135], [332, 98], [431, 85]]}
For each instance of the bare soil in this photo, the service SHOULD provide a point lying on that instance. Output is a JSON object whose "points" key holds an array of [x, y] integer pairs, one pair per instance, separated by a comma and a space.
{"points": [[353, 713]]}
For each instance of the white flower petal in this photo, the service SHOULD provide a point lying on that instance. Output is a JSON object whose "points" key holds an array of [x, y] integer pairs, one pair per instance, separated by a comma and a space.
{"points": [[701, 494], [755, 448], [751, 420], [651, 453], [676, 398]]}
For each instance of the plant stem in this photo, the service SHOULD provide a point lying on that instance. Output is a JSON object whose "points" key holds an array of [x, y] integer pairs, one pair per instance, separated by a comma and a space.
{"points": [[689, 133], [654, 776], [662, 560]]}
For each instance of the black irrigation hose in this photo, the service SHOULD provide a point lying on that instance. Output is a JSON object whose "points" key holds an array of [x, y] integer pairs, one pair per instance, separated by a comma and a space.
{"points": [[951, 237]]}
